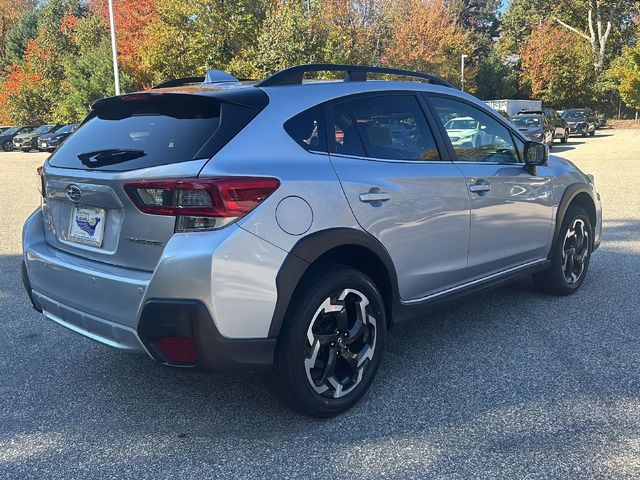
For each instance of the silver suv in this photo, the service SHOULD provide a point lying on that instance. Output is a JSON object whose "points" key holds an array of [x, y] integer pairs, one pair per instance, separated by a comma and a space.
{"points": [[286, 225]]}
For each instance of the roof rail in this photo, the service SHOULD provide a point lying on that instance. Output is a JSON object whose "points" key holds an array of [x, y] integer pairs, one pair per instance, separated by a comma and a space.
{"points": [[353, 73]]}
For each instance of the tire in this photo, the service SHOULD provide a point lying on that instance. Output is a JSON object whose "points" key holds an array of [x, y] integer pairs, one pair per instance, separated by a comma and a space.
{"points": [[565, 137], [7, 146], [571, 255], [592, 134], [584, 134], [319, 369]]}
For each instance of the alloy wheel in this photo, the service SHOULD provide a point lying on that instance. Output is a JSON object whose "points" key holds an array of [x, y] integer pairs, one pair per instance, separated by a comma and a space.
{"points": [[341, 342], [575, 251]]}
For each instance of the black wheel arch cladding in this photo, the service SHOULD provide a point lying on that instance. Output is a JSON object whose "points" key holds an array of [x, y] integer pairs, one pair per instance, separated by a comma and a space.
{"points": [[350, 246]]}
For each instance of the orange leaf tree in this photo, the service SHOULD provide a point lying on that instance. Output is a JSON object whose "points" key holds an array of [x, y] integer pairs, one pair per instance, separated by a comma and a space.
{"points": [[426, 37], [557, 67]]}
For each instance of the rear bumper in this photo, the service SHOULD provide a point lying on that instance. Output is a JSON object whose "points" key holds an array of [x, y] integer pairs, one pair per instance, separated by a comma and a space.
{"points": [[226, 296]]}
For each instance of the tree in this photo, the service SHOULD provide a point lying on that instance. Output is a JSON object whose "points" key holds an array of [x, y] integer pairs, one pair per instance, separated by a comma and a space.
{"points": [[290, 35], [131, 18], [517, 22], [626, 70], [558, 69], [479, 17], [88, 75], [496, 78], [187, 38], [354, 32], [25, 29], [600, 18], [10, 12], [427, 38]]}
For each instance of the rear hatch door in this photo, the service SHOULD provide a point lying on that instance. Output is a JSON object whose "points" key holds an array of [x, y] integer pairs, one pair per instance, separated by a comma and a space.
{"points": [[142, 136]]}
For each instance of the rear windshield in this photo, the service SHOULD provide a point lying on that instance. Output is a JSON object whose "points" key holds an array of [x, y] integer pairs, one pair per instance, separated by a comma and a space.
{"points": [[147, 130]]}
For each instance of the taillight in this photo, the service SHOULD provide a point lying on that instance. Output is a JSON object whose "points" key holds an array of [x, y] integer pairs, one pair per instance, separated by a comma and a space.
{"points": [[201, 203]]}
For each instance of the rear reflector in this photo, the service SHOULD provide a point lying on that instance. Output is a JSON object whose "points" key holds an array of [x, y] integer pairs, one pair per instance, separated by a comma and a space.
{"points": [[201, 203], [178, 349]]}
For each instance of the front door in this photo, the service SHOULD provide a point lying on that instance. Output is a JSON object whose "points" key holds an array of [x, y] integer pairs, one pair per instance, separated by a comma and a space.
{"points": [[511, 209], [401, 190]]}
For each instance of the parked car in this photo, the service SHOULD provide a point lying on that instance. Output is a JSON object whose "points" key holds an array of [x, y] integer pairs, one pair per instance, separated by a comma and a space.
{"points": [[6, 137], [559, 125], [284, 226], [464, 131], [29, 140], [581, 121], [536, 127], [601, 121], [50, 141]]}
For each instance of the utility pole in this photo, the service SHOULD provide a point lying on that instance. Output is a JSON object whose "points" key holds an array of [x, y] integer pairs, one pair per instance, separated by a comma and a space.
{"points": [[114, 50], [462, 57]]}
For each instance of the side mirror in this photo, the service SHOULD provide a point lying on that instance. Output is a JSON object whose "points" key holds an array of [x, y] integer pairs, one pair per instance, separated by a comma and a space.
{"points": [[535, 155]]}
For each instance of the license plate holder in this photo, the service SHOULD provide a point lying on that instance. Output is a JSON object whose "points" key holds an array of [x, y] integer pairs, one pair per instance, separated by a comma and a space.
{"points": [[86, 225]]}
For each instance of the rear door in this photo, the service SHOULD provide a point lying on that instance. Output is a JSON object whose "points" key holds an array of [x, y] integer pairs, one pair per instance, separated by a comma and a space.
{"points": [[402, 188], [86, 209], [511, 209]]}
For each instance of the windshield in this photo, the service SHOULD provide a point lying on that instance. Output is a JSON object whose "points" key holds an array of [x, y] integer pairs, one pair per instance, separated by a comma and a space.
{"points": [[10, 131], [43, 129], [575, 115], [461, 124], [526, 122], [67, 129]]}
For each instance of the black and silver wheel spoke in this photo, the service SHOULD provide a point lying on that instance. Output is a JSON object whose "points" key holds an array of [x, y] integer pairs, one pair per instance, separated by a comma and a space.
{"points": [[341, 338], [575, 251]]}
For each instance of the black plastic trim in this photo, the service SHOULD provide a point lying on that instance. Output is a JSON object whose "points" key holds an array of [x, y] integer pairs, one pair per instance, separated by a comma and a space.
{"points": [[312, 247], [571, 192], [216, 353], [358, 73], [402, 311]]}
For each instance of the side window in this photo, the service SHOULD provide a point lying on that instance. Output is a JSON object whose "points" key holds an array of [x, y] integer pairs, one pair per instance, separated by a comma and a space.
{"points": [[307, 129], [474, 134], [394, 127], [345, 132]]}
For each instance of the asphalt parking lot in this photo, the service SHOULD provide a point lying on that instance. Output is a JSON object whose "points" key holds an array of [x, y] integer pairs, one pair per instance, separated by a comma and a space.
{"points": [[510, 385]]}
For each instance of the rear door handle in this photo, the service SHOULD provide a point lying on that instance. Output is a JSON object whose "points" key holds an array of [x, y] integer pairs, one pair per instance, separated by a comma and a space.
{"points": [[480, 187], [375, 197]]}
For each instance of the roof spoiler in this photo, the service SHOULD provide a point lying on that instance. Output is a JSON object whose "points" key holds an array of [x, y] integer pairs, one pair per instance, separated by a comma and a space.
{"points": [[353, 73], [212, 76]]}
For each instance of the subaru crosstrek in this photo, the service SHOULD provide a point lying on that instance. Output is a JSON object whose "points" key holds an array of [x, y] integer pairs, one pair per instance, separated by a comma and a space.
{"points": [[285, 226]]}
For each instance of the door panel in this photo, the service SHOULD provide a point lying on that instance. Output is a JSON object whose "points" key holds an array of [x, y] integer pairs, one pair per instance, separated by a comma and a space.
{"points": [[511, 223], [425, 223], [511, 209]]}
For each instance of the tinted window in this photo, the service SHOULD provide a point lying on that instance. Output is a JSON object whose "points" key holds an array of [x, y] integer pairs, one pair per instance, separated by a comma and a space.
{"points": [[146, 130], [307, 129], [394, 127], [345, 133], [486, 140]]}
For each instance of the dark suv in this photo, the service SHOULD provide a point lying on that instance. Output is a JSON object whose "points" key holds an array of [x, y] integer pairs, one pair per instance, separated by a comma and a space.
{"points": [[557, 123], [581, 121]]}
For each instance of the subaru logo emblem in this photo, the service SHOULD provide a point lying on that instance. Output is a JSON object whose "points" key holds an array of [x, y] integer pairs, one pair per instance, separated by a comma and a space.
{"points": [[74, 193]]}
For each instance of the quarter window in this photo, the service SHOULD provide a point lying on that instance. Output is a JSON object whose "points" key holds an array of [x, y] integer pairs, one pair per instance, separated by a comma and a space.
{"points": [[307, 129], [474, 135], [394, 127]]}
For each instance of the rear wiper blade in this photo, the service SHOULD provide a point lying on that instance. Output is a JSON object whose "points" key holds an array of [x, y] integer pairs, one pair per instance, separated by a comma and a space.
{"points": [[101, 158]]}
